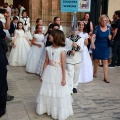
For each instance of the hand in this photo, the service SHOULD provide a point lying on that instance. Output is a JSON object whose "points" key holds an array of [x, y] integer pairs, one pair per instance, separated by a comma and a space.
{"points": [[110, 37], [63, 83], [74, 45], [30, 43], [14, 46], [28, 28], [72, 52], [39, 45], [40, 79], [93, 46]]}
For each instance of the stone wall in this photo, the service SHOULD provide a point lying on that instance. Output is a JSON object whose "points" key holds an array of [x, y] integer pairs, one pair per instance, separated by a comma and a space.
{"points": [[113, 6]]}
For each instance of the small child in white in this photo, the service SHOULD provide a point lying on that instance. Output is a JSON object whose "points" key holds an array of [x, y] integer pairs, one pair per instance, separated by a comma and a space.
{"points": [[74, 58], [54, 97], [86, 71], [36, 51], [21, 48]]}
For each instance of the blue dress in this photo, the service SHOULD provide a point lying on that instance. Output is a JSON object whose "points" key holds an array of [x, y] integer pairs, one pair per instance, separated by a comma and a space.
{"points": [[102, 49]]}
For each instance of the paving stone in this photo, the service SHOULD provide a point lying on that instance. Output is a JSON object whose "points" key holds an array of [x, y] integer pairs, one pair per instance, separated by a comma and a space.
{"points": [[96, 100]]}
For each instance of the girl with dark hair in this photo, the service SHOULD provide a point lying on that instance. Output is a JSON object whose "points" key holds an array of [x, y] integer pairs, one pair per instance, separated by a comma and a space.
{"points": [[40, 22], [34, 60], [57, 20], [19, 53], [86, 71], [54, 90]]}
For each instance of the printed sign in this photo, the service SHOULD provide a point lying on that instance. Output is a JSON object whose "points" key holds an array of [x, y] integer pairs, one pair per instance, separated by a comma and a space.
{"points": [[75, 5]]}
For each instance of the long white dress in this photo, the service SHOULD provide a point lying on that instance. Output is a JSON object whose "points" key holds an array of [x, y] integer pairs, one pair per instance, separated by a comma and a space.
{"points": [[35, 54], [86, 67], [18, 55], [53, 98]]}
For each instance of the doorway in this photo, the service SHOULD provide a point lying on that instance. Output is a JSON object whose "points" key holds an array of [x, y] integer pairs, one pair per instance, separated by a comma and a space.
{"points": [[24, 3], [1, 2]]}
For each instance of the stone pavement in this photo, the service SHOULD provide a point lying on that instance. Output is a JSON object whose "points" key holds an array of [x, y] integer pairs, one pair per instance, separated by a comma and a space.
{"points": [[96, 100]]}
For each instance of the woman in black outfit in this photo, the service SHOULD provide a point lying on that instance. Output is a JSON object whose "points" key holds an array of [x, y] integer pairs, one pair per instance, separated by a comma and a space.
{"points": [[89, 26]]}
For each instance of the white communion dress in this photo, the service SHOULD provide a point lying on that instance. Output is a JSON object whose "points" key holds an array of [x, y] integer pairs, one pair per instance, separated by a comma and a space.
{"points": [[86, 67], [35, 54], [18, 55], [53, 98]]}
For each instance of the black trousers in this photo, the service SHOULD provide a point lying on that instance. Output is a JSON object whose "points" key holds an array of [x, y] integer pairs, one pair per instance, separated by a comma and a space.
{"points": [[3, 89], [116, 52], [3, 97]]}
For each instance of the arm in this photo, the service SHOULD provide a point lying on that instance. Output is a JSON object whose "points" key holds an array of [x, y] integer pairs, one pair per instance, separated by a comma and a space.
{"points": [[7, 24], [63, 65], [115, 32], [92, 41], [34, 43], [91, 28], [86, 41], [45, 64], [69, 51]]}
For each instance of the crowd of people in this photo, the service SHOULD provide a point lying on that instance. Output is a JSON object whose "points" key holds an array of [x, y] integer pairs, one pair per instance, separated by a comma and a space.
{"points": [[62, 63]]}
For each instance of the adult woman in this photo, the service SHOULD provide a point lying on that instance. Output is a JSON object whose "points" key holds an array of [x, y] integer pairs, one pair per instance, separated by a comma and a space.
{"points": [[101, 48], [89, 26]]}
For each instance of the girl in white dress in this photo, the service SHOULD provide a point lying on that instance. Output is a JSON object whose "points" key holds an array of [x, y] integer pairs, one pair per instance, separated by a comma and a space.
{"points": [[86, 71], [36, 51], [26, 23], [19, 53], [54, 97]]}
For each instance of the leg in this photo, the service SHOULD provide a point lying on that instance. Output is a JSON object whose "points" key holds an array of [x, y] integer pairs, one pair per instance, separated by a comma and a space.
{"points": [[114, 57], [96, 63], [119, 55], [3, 97], [70, 71], [105, 69], [76, 75]]}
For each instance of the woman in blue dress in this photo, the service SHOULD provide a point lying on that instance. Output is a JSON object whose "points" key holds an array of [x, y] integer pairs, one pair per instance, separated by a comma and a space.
{"points": [[100, 47]]}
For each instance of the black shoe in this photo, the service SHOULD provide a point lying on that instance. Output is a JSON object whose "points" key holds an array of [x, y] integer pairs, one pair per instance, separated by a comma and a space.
{"points": [[117, 65], [106, 81], [101, 65], [1, 114], [74, 90], [111, 66], [9, 97]]}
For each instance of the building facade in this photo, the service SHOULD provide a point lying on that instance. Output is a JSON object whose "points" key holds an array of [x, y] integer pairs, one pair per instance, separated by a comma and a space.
{"points": [[48, 9]]}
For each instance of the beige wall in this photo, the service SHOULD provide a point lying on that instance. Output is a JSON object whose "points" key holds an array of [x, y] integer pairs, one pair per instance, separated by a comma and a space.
{"points": [[9, 1], [113, 6]]}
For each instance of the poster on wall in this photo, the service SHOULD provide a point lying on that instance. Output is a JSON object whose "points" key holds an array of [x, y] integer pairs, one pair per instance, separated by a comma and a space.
{"points": [[75, 5]]}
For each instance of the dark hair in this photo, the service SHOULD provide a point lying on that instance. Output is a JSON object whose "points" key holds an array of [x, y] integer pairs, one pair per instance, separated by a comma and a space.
{"points": [[2, 11], [24, 11], [49, 27], [55, 24], [6, 3], [22, 26], [117, 13], [38, 20], [58, 37], [15, 18], [56, 18], [85, 26], [37, 28]]}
